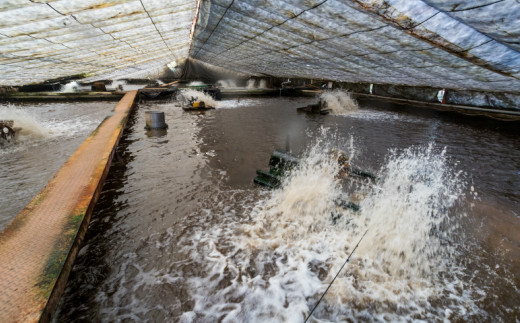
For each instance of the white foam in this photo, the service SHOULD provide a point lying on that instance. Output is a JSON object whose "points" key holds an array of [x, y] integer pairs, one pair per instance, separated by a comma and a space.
{"points": [[406, 215], [186, 94], [196, 83], [117, 84], [268, 256], [30, 125], [340, 102], [70, 87], [227, 84], [251, 84], [254, 84], [70, 127], [34, 129], [279, 259], [236, 103]]}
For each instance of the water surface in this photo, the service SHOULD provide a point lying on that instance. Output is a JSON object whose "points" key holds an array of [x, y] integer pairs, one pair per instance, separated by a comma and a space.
{"points": [[182, 234], [50, 133]]}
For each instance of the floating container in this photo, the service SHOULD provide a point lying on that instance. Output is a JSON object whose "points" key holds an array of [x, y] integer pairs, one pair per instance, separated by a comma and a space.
{"points": [[155, 120]]}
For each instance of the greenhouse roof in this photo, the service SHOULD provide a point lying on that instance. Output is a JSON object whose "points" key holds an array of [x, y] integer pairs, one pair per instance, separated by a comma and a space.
{"points": [[471, 44], [41, 40]]}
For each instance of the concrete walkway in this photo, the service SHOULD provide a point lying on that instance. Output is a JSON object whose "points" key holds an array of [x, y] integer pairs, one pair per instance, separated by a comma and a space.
{"points": [[61, 96], [38, 248]]}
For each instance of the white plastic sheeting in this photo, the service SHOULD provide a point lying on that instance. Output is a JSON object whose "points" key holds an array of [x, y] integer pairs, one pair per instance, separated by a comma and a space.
{"points": [[453, 44], [41, 40], [470, 44]]}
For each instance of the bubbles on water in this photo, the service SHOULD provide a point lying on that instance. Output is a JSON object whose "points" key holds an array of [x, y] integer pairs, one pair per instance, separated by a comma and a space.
{"points": [[408, 213], [32, 129], [27, 125], [340, 102], [237, 103], [308, 194], [272, 260]]}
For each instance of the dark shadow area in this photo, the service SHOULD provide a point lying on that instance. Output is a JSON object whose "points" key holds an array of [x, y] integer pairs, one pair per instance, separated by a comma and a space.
{"points": [[91, 266]]}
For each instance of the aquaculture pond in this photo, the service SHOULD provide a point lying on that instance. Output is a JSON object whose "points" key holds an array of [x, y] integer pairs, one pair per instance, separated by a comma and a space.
{"points": [[181, 233], [48, 134]]}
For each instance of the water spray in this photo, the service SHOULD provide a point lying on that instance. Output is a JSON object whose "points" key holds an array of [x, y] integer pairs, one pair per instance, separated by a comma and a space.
{"points": [[332, 282]]}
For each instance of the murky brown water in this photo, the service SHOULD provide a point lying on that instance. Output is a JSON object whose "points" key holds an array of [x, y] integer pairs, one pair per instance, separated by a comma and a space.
{"points": [[50, 133], [181, 233]]}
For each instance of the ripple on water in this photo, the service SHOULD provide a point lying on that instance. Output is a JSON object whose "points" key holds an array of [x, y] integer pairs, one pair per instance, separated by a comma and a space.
{"points": [[191, 239]]}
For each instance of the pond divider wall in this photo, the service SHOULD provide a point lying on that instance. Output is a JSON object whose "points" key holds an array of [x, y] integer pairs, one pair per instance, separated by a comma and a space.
{"points": [[15, 96], [499, 114], [482, 99], [39, 246]]}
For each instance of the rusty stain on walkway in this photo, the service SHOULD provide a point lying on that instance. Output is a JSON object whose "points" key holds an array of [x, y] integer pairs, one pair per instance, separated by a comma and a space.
{"points": [[38, 247]]}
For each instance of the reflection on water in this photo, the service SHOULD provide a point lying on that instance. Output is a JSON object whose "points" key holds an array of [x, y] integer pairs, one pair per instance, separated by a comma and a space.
{"points": [[158, 133], [181, 233]]}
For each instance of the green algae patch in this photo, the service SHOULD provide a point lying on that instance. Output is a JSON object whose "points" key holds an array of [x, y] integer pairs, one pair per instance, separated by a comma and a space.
{"points": [[56, 261], [38, 198], [122, 121]]}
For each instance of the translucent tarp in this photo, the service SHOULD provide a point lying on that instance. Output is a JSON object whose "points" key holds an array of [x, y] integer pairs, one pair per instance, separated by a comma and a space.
{"points": [[41, 40], [470, 44], [453, 44]]}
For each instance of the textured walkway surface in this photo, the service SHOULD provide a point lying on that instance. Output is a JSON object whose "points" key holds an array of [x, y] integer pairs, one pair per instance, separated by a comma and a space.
{"points": [[62, 96], [38, 247]]}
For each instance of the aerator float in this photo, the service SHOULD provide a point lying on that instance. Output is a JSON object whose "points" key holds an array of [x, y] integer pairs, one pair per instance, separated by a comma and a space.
{"points": [[7, 131], [281, 163], [196, 105], [318, 108]]}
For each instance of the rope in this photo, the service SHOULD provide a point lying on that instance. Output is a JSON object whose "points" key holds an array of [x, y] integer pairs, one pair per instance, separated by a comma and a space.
{"points": [[325, 292], [273, 26], [157, 29], [212, 31]]}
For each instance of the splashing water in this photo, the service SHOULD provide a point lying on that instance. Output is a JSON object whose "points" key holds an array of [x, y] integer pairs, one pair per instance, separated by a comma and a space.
{"points": [[227, 83], [196, 83], [275, 260], [234, 104], [30, 127], [340, 102], [118, 84], [412, 200], [70, 87], [251, 84], [186, 94]]}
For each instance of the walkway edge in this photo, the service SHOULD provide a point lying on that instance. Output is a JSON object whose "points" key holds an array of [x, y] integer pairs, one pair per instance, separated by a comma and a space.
{"points": [[38, 248]]}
